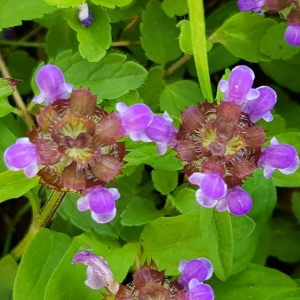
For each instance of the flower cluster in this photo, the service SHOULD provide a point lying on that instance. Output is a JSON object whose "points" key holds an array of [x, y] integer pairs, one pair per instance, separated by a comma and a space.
{"points": [[292, 7], [148, 282], [220, 145]]}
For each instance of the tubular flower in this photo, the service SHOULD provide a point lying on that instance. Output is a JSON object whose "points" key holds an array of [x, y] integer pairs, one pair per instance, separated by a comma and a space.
{"points": [[255, 5], [52, 85], [85, 15], [220, 145]]}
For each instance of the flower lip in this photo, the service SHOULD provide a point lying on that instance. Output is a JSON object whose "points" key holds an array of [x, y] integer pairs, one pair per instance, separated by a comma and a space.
{"points": [[255, 5], [292, 35]]}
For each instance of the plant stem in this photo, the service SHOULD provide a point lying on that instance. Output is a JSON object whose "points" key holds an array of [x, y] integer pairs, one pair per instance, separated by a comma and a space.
{"points": [[40, 221], [17, 96], [22, 44], [198, 35], [125, 43], [181, 61]]}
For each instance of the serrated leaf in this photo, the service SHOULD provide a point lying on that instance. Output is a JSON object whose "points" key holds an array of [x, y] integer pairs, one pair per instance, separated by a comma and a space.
{"points": [[159, 34], [179, 95], [5, 88], [274, 45], [241, 35], [12, 12], [109, 78], [112, 3], [14, 184], [170, 240], [175, 7], [164, 181], [95, 39], [8, 267], [139, 212], [38, 263], [64, 3]]}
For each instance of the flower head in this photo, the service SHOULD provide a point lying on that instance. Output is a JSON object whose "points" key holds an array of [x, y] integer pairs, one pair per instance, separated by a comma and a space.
{"points": [[98, 271], [52, 85], [85, 15], [101, 202], [278, 156], [254, 5], [22, 156]]}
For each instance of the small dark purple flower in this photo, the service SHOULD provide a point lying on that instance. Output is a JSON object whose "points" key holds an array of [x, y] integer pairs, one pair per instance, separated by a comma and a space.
{"points": [[278, 156], [52, 85], [255, 5], [292, 35], [236, 201], [238, 88], [211, 188], [199, 291], [101, 202], [85, 15], [22, 156], [260, 107], [134, 119], [161, 131], [98, 271]]}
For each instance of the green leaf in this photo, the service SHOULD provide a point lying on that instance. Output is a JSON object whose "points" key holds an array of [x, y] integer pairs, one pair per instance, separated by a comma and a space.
{"points": [[290, 294], [64, 3], [185, 201], [109, 78], [255, 282], [185, 38], [112, 3], [159, 34], [217, 237], [140, 211], [296, 205], [164, 181], [141, 153], [284, 72], [179, 95], [83, 220], [5, 107], [273, 128], [241, 35], [5, 88], [14, 184], [95, 39], [12, 12], [60, 37], [153, 87], [170, 240], [38, 263], [274, 45], [8, 267], [174, 8]]}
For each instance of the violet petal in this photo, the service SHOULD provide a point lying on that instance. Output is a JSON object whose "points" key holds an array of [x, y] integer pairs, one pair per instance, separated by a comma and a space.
{"points": [[213, 186], [85, 15], [239, 201], [204, 201], [292, 35], [94, 281], [255, 5], [199, 291], [101, 219], [101, 201]]}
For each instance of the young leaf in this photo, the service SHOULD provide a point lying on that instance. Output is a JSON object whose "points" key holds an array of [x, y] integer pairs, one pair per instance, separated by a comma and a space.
{"points": [[64, 3], [185, 38], [8, 267], [159, 34], [38, 263], [165, 181], [95, 39], [112, 3], [175, 7], [179, 95]]}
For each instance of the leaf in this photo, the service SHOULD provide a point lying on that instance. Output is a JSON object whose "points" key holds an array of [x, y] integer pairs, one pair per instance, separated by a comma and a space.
{"points": [[274, 45], [175, 7], [5, 88], [12, 12], [255, 282], [95, 39], [185, 38], [5, 107], [289, 294], [179, 95], [241, 35], [64, 3], [110, 78], [8, 267], [172, 239], [140, 211], [185, 201], [164, 181], [217, 237], [159, 34], [112, 3], [38, 263], [14, 184]]}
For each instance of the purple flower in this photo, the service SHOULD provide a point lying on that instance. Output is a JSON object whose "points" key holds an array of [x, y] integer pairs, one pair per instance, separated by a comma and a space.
{"points": [[98, 271], [22, 156], [278, 156], [101, 201], [236, 201], [85, 15], [292, 35], [161, 131], [134, 119], [52, 85], [199, 291], [255, 5], [260, 107], [238, 88], [211, 188]]}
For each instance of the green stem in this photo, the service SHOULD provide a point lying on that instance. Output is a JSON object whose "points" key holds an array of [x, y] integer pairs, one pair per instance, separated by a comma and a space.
{"points": [[22, 44], [40, 221], [198, 34]]}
